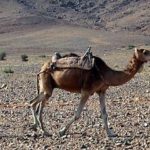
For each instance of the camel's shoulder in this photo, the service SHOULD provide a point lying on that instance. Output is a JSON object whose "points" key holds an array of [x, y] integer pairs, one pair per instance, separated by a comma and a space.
{"points": [[46, 65]]}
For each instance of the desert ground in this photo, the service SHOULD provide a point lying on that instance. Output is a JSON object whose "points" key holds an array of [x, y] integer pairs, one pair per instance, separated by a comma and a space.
{"points": [[128, 105], [25, 30]]}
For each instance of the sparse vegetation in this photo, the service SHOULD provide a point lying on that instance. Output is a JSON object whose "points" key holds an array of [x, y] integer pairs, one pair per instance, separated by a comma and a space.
{"points": [[2, 56], [24, 57], [42, 56], [131, 46], [8, 70]]}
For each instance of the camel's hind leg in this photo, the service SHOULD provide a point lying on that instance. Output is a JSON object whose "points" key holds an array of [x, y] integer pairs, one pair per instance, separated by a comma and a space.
{"points": [[39, 117], [84, 97], [37, 106], [35, 103]]}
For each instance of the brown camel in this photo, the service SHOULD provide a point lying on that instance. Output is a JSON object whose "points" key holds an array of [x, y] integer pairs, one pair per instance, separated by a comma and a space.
{"points": [[97, 80]]}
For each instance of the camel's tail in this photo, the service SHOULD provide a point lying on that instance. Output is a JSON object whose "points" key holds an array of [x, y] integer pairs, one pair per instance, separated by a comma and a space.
{"points": [[47, 71], [38, 88]]}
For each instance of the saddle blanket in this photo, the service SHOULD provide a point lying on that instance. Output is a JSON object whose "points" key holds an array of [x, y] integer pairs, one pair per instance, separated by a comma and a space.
{"points": [[75, 62]]}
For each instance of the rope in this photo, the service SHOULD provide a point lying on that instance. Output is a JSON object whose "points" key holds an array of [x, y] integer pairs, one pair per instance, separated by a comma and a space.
{"points": [[14, 106]]}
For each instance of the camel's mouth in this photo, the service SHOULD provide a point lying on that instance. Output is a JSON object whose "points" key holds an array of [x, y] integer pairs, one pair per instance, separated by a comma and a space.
{"points": [[142, 54], [145, 61]]}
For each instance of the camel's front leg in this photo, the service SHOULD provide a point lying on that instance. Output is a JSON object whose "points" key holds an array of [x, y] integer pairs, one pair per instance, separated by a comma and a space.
{"points": [[109, 132], [83, 100]]}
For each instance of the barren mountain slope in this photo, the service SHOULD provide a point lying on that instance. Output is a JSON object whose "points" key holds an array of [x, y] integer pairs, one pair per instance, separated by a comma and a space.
{"points": [[131, 15], [27, 25], [14, 17]]}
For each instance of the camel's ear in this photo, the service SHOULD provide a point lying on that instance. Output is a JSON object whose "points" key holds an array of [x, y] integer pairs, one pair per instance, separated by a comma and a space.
{"points": [[135, 49], [136, 52]]}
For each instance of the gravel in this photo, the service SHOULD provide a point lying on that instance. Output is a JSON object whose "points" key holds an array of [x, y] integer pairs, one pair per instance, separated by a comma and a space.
{"points": [[128, 109]]}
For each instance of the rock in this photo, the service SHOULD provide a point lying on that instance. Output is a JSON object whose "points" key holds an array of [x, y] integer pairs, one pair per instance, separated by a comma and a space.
{"points": [[64, 136], [3, 86], [129, 147], [127, 142], [136, 124], [46, 147], [145, 124], [97, 125], [84, 134], [83, 147], [147, 91], [118, 144]]}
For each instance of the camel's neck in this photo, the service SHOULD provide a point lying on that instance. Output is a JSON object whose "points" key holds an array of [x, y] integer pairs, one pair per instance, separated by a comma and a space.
{"points": [[115, 78]]}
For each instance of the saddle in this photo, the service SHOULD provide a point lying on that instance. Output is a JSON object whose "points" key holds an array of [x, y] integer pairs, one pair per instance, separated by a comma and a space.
{"points": [[85, 62]]}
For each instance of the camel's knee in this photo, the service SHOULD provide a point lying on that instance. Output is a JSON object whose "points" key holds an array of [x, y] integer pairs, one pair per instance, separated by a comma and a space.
{"points": [[38, 99], [104, 113], [48, 95]]}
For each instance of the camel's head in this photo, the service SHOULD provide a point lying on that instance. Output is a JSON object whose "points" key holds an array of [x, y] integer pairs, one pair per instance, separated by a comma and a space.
{"points": [[142, 54]]}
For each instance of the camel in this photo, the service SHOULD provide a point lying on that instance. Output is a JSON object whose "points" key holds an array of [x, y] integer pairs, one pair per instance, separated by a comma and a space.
{"points": [[86, 82]]}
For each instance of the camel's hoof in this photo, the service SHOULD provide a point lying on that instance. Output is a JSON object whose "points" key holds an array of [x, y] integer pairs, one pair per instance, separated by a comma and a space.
{"points": [[33, 127], [62, 132], [112, 134]]}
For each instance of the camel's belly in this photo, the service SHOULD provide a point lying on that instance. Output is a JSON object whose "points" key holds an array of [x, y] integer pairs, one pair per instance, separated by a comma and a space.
{"points": [[69, 79]]}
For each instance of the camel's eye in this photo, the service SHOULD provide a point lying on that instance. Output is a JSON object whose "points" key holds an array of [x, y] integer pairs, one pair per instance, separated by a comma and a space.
{"points": [[145, 52]]}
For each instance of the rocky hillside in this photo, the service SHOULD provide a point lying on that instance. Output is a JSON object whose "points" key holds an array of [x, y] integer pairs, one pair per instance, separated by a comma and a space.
{"points": [[111, 15], [131, 15]]}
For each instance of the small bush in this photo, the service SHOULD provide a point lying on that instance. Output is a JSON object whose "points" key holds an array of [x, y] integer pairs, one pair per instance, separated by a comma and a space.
{"points": [[42, 56], [8, 70], [2, 56], [131, 46], [24, 57]]}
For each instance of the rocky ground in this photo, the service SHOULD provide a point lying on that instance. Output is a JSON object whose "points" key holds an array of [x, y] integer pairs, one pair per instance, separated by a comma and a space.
{"points": [[128, 108], [38, 28]]}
